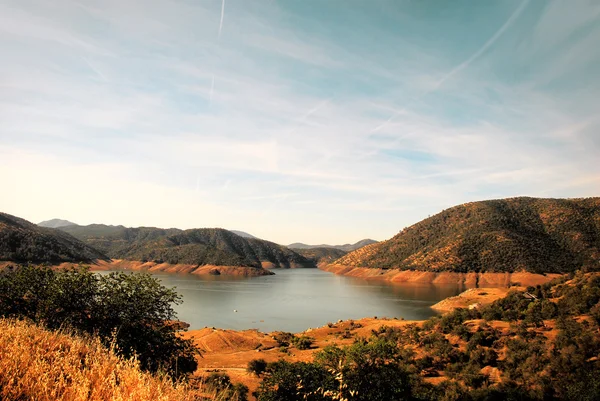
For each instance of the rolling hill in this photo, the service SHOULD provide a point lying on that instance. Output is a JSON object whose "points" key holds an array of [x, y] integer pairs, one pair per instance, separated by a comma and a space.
{"points": [[345, 247], [321, 255], [506, 235], [22, 241], [55, 223], [204, 246]]}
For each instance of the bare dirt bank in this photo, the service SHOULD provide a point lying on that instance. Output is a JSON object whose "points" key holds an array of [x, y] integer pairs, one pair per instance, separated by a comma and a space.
{"points": [[181, 268], [118, 264], [473, 298], [422, 277]]}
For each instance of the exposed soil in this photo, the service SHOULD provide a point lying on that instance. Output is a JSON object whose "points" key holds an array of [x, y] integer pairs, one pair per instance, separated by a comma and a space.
{"points": [[422, 277], [473, 298], [118, 264], [230, 351]]}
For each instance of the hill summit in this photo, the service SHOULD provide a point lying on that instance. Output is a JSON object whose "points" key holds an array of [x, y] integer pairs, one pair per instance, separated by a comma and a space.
{"points": [[55, 223], [505, 235], [22, 241]]}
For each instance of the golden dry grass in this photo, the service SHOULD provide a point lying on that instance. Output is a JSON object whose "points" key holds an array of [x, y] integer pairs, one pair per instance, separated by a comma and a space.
{"points": [[40, 365]]}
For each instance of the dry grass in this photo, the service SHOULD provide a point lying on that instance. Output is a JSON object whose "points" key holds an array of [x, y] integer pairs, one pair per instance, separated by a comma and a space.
{"points": [[40, 365]]}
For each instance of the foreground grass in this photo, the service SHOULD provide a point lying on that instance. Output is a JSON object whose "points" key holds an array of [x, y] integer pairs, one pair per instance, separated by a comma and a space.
{"points": [[41, 365]]}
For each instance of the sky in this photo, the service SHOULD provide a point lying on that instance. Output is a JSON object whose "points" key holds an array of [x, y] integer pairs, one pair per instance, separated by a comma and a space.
{"points": [[296, 121]]}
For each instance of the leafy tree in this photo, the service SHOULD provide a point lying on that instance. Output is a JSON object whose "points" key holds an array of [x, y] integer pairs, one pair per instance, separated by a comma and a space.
{"points": [[133, 310]]}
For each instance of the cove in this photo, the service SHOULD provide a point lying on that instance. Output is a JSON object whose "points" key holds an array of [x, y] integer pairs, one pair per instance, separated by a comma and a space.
{"points": [[297, 299]]}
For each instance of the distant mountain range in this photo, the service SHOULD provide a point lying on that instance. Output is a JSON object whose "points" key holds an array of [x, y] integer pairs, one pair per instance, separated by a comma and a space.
{"points": [[55, 223], [345, 247], [506, 235], [25, 242], [201, 246], [22, 241], [320, 256]]}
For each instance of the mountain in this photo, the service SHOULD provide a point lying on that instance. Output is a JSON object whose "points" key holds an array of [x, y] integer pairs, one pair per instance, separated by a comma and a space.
{"points": [[321, 255], [345, 247], [243, 234], [55, 223], [213, 246], [506, 235], [22, 241]]}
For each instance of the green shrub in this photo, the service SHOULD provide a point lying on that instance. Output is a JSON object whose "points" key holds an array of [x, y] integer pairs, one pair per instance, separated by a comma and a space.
{"points": [[257, 366]]}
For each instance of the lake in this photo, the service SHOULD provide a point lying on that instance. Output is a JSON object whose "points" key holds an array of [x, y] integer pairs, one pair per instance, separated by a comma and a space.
{"points": [[295, 299]]}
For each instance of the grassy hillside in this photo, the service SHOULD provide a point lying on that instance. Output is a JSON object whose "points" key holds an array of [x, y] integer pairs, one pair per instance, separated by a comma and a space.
{"points": [[213, 246], [43, 365], [22, 241], [537, 235]]}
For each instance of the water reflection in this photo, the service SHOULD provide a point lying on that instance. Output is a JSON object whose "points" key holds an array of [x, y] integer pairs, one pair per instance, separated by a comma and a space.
{"points": [[294, 300]]}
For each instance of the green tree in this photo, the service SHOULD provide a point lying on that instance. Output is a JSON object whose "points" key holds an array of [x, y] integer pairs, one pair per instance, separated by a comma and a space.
{"points": [[133, 310]]}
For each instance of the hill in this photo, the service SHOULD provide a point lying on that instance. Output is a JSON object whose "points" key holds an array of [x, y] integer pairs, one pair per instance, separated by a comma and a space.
{"points": [[204, 246], [22, 241], [321, 255], [55, 223], [243, 234], [345, 247], [506, 235]]}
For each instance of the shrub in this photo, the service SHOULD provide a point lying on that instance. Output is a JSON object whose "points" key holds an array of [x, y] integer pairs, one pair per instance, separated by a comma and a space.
{"points": [[257, 366], [303, 342]]}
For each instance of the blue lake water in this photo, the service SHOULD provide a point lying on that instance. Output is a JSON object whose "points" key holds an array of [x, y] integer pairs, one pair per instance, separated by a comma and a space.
{"points": [[294, 300]]}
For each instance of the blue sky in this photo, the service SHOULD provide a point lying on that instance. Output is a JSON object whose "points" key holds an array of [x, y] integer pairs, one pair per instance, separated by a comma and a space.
{"points": [[313, 121]]}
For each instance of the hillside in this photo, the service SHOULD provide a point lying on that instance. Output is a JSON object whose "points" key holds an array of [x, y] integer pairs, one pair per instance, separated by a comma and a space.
{"points": [[243, 234], [345, 247], [204, 246], [55, 223], [507, 235], [22, 241], [321, 255]]}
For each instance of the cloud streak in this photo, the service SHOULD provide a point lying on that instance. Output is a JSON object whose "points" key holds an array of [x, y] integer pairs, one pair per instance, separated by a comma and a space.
{"points": [[128, 112]]}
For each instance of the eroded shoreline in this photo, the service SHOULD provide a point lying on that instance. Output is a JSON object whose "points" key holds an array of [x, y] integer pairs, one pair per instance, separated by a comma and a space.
{"points": [[469, 280]]}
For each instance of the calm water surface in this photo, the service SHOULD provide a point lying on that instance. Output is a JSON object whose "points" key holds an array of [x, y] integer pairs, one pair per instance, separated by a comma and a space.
{"points": [[294, 300]]}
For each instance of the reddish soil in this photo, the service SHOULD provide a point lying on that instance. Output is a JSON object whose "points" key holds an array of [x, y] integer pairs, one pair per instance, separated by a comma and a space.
{"points": [[473, 297], [423, 277], [230, 351], [118, 264]]}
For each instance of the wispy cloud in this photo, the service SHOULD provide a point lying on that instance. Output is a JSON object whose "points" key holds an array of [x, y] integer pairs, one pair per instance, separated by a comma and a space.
{"points": [[265, 121]]}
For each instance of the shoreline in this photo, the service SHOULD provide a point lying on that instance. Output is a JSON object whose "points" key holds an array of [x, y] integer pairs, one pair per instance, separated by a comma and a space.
{"points": [[469, 280], [132, 265], [205, 270]]}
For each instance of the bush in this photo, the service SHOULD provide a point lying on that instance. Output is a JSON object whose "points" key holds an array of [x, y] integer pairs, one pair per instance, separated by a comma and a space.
{"points": [[303, 342], [283, 339], [220, 383], [257, 366]]}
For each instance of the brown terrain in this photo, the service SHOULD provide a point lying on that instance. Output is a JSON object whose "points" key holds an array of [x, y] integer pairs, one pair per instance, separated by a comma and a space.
{"points": [[229, 351], [118, 264], [473, 298], [429, 277]]}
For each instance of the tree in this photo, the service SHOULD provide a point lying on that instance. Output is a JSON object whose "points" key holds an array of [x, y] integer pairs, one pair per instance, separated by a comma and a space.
{"points": [[133, 310]]}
